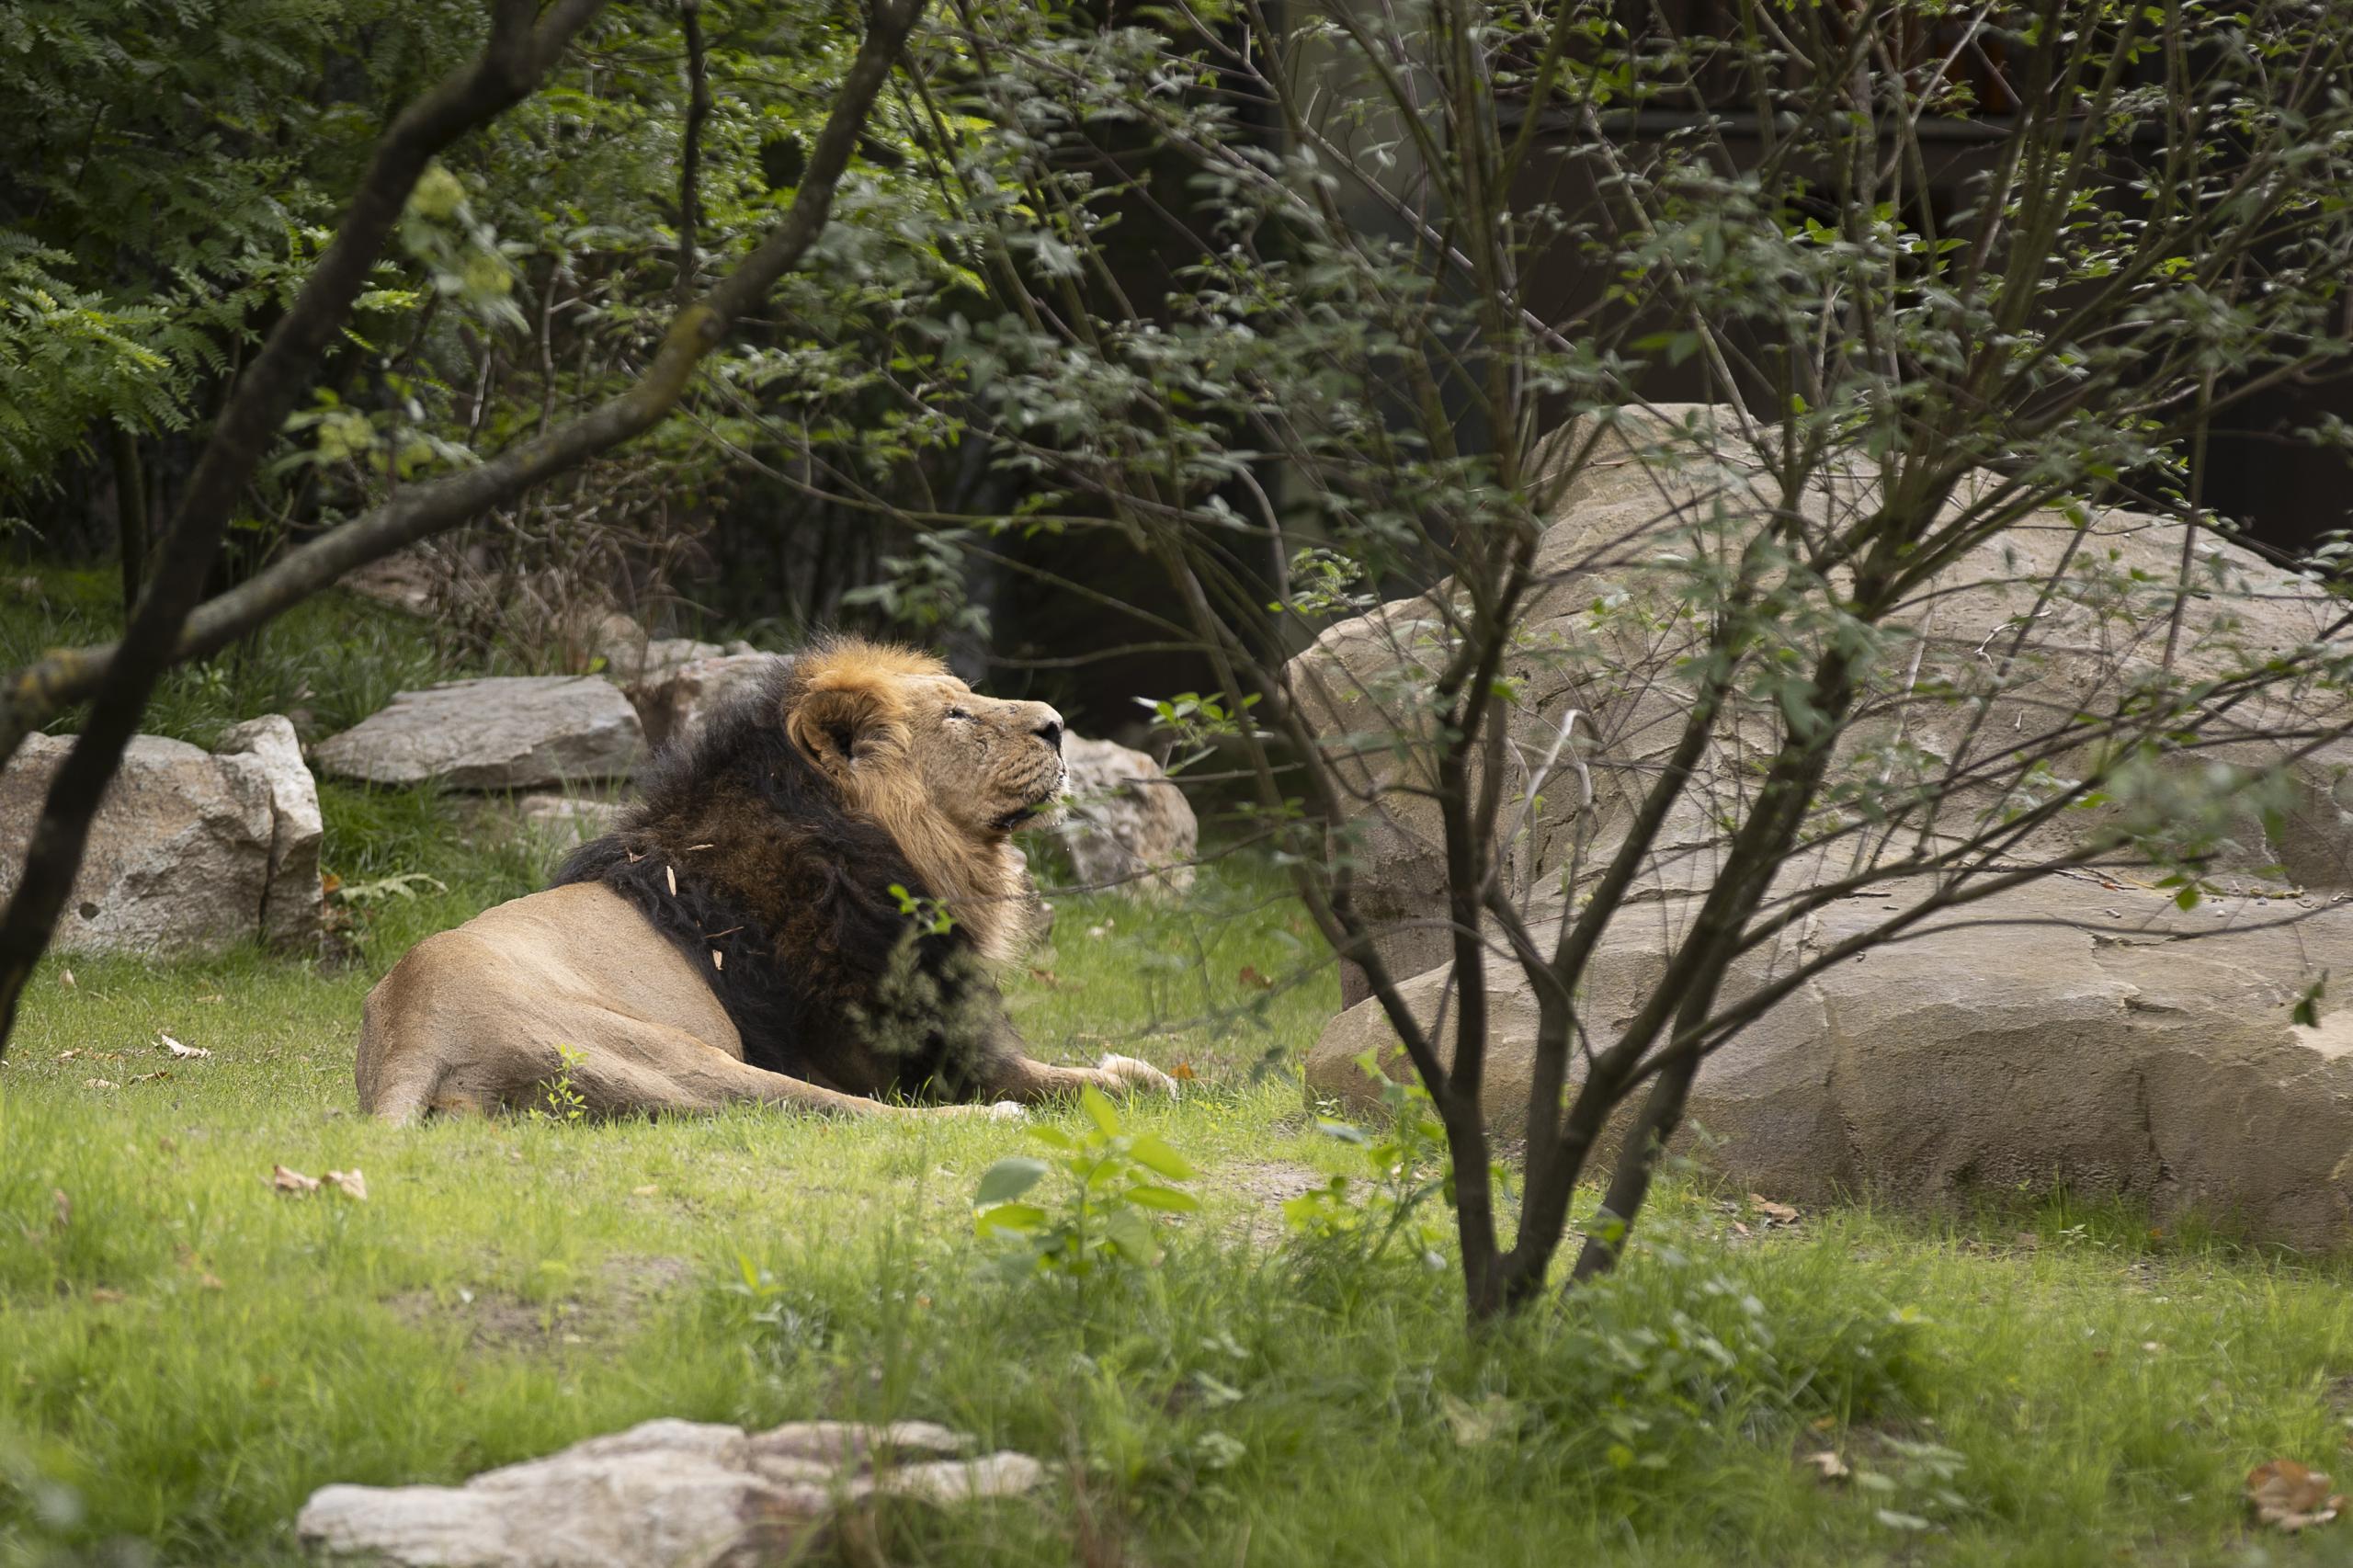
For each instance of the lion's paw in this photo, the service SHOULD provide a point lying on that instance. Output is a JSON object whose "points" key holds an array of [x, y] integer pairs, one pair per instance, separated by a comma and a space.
{"points": [[1003, 1110], [1135, 1075]]}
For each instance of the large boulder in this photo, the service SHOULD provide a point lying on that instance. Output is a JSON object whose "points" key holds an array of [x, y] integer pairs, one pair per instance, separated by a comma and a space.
{"points": [[2061, 1033], [1129, 829], [293, 912], [495, 732], [1979, 658], [190, 853], [665, 1494]]}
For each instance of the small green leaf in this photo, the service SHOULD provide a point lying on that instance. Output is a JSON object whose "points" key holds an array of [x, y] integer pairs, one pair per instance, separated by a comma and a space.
{"points": [[1154, 1154], [1166, 1199], [2187, 898], [1098, 1110], [1014, 1217], [1130, 1233], [1009, 1179]]}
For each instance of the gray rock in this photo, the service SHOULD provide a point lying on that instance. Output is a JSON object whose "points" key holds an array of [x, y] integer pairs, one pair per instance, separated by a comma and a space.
{"points": [[1129, 829], [570, 819], [662, 1495], [496, 732], [293, 909], [1363, 680], [673, 702], [180, 853], [2096, 1037]]}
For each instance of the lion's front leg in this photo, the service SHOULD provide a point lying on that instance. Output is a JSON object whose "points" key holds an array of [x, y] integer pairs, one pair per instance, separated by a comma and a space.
{"points": [[1017, 1077]]}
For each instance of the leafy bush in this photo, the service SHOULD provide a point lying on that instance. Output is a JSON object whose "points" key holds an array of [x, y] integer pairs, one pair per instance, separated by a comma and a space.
{"points": [[1114, 1186]]}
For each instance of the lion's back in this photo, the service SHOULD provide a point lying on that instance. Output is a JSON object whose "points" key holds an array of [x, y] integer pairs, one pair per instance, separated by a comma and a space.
{"points": [[470, 1015]]}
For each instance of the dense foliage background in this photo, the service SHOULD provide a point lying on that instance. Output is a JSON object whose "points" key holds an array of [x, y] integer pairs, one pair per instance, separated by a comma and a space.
{"points": [[176, 170]]}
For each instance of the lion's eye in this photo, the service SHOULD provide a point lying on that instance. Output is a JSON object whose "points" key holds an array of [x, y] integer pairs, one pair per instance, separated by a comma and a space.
{"points": [[958, 713]]}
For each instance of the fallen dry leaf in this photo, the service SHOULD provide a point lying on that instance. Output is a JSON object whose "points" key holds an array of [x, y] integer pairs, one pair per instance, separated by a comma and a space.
{"points": [[1252, 978], [158, 1073], [1493, 1416], [186, 1052], [1828, 1465], [672, 873], [1183, 1072], [718, 960], [65, 978], [1046, 977], [329, 882], [69, 1055], [648, 1190], [2291, 1497], [291, 1181], [208, 1281], [105, 1297], [100, 1084], [1774, 1213], [62, 1206], [353, 1184]]}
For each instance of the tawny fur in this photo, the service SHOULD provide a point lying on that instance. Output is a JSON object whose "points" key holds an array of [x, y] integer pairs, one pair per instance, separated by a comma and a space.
{"points": [[769, 850]]}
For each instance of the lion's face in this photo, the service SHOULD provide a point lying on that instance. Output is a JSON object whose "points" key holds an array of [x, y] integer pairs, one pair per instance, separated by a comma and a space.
{"points": [[918, 749], [988, 764]]}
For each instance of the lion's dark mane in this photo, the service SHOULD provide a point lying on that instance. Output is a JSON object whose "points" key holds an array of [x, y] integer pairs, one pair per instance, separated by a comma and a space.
{"points": [[825, 976]]}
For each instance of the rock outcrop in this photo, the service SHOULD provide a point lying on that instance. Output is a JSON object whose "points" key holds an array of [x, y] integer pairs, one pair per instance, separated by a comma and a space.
{"points": [[2061, 1033], [1977, 660], [2064, 1031], [190, 853], [663, 1494], [495, 732]]}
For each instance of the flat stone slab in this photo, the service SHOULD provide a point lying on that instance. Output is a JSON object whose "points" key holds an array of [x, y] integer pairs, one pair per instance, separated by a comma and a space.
{"points": [[664, 1493], [2063, 1033], [495, 732]]}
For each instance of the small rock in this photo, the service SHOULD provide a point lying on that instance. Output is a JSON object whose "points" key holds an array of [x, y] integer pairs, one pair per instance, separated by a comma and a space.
{"points": [[674, 702], [578, 817], [1129, 828]]}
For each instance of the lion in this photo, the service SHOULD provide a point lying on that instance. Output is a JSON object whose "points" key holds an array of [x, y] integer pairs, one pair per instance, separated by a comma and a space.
{"points": [[801, 909]]}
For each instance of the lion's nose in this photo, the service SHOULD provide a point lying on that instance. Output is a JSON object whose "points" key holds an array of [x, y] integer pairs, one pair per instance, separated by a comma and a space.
{"points": [[1049, 730]]}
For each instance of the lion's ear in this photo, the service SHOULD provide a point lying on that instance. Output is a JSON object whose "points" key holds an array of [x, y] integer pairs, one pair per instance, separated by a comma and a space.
{"points": [[834, 725]]}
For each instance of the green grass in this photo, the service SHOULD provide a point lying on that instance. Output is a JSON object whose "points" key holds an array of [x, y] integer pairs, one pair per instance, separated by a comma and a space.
{"points": [[329, 661], [185, 1353]]}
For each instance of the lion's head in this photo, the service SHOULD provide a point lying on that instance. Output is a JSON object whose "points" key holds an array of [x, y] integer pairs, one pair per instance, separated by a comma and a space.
{"points": [[948, 772]]}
